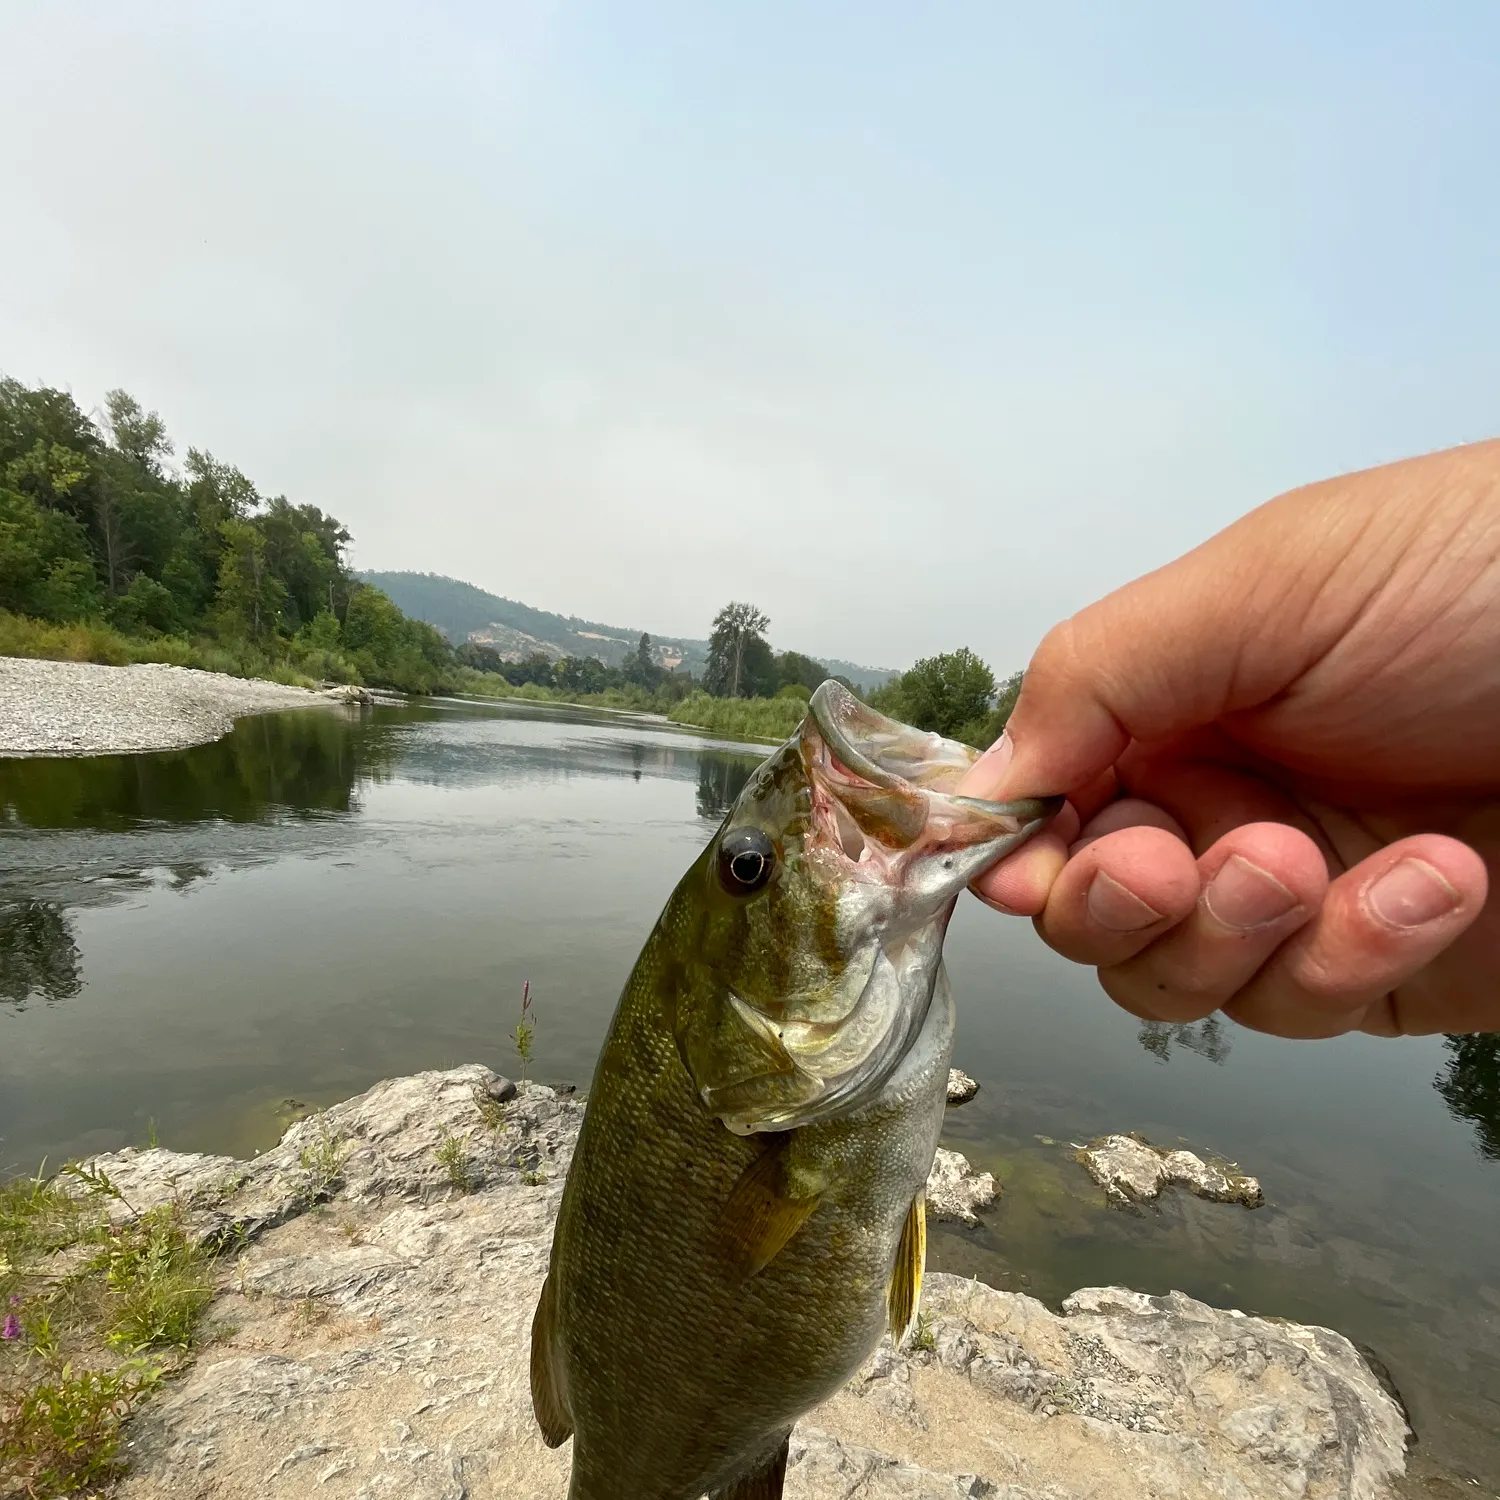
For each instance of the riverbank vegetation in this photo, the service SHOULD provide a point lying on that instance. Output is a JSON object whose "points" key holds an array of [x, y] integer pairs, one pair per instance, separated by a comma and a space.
{"points": [[113, 550], [98, 1307], [770, 719], [109, 550], [748, 689]]}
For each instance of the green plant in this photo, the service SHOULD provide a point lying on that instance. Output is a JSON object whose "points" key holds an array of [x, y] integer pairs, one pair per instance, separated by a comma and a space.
{"points": [[525, 1030], [62, 1435], [158, 1283], [492, 1113], [140, 1284], [764, 719], [921, 1336], [453, 1159], [319, 1156], [533, 1178]]}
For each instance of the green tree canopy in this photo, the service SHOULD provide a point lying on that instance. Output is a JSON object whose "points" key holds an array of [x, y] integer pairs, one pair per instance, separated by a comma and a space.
{"points": [[736, 643], [949, 693]]}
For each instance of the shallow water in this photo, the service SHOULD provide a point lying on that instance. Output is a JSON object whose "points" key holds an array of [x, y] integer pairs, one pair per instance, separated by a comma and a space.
{"points": [[204, 943]]}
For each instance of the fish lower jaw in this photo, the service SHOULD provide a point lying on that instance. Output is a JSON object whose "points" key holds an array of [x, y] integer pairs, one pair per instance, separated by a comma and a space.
{"points": [[740, 1117]]}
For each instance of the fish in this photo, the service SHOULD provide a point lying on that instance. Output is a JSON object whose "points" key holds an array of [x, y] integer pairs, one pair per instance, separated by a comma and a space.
{"points": [[744, 1218]]}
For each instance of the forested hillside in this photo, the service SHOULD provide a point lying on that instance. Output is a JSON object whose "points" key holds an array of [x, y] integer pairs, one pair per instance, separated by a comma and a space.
{"points": [[460, 609], [110, 548]]}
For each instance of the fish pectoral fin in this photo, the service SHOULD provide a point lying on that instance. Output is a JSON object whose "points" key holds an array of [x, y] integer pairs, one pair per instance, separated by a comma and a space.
{"points": [[763, 1482], [765, 1208], [548, 1398], [906, 1276]]}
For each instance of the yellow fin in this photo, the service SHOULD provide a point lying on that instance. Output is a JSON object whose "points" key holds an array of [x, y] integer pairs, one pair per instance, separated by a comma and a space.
{"points": [[764, 1482], [547, 1398], [906, 1278], [763, 1211]]}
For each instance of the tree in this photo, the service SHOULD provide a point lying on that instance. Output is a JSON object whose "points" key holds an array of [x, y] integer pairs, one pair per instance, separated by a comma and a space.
{"points": [[250, 597], [952, 694], [138, 434], [640, 666], [1471, 1088], [795, 669], [482, 658], [737, 631]]}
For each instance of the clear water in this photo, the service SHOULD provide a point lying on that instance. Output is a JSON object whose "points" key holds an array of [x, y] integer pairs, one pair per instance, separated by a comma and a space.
{"points": [[204, 942]]}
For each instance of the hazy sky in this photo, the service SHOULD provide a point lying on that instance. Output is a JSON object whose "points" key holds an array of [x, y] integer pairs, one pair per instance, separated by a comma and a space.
{"points": [[918, 325]]}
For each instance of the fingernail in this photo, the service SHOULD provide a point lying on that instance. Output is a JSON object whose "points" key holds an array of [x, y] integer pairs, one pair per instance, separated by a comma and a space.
{"points": [[1117, 909], [987, 775], [1244, 896], [1411, 894]]}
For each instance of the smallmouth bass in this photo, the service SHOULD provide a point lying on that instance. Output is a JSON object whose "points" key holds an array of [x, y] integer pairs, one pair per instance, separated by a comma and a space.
{"points": [[744, 1216]]}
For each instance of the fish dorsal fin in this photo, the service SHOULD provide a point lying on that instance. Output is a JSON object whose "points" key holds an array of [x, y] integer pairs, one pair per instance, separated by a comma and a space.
{"points": [[763, 1482], [548, 1400], [906, 1277], [766, 1207]]}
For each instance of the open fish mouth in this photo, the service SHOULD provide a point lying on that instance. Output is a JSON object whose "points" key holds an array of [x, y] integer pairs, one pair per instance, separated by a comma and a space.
{"points": [[885, 799], [889, 845]]}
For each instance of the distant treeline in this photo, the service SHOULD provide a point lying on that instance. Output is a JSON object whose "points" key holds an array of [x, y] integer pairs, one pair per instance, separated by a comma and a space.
{"points": [[111, 551], [954, 693], [126, 557]]}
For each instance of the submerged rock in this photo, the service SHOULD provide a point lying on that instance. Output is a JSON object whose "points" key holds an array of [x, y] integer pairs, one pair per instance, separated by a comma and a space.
{"points": [[961, 1088], [1132, 1171], [375, 1340]]}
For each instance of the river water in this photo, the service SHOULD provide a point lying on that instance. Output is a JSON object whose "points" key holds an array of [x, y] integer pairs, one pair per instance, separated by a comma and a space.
{"points": [[201, 945]]}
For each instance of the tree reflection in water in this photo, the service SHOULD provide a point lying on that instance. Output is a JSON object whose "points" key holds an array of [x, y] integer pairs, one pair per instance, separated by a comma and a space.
{"points": [[1207, 1038], [1471, 1088], [721, 779], [300, 765], [37, 954]]}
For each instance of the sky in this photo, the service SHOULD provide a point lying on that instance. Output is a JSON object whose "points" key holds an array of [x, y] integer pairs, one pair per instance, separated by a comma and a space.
{"points": [[917, 326]]}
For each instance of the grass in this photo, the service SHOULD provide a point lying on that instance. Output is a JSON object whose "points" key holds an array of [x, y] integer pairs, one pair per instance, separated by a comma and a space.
{"points": [[93, 640], [921, 1336], [96, 641], [99, 1311], [765, 719], [319, 1157], [452, 1157]]}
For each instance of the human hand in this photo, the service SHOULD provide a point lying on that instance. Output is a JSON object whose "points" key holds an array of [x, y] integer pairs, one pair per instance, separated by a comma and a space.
{"points": [[1282, 756]]}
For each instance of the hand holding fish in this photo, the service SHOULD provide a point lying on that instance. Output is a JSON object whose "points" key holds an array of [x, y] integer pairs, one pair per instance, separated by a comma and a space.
{"points": [[1282, 755]]}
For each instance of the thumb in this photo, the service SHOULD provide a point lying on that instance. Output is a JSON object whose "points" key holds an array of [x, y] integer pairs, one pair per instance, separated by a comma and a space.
{"points": [[1220, 630]]}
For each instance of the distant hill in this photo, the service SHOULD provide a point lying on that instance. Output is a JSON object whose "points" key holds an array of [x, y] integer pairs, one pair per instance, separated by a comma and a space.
{"points": [[463, 612]]}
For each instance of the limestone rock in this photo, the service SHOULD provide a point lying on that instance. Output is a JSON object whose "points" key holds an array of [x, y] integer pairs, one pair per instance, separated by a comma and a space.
{"points": [[1132, 1171], [956, 1191], [376, 1337], [961, 1088]]}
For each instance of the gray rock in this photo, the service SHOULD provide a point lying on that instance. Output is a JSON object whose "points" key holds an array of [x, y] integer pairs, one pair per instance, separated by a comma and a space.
{"points": [[80, 708], [1132, 1171], [961, 1088], [956, 1191], [375, 1336]]}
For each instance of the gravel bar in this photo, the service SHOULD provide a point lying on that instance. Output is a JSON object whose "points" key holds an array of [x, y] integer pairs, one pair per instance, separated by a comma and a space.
{"points": [[78, 708]]}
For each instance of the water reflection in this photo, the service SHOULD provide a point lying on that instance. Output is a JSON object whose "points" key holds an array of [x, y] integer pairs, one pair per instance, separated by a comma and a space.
{"points": [[1471, 1088], [721, 779], [37, 954], [1207, 1038], [299, 765]]}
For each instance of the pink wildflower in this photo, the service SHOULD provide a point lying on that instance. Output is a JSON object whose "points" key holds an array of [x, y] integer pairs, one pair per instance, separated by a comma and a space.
{"points": [[12, 1328]]}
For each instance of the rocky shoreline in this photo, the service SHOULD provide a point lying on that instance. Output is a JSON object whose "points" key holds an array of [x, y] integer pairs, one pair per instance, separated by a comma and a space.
{"points": [[81, 708], [374, 1303]]}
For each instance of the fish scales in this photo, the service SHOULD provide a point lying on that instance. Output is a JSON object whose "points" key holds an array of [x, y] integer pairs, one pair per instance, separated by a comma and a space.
{"points": [[762, 1120]]}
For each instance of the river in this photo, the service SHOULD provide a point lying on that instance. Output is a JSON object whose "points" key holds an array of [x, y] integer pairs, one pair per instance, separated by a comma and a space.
{"points": [[198, 946]]}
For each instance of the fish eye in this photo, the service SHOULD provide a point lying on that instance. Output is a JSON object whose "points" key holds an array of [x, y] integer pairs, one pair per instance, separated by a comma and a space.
{"points": [[747, 860]]}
